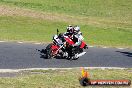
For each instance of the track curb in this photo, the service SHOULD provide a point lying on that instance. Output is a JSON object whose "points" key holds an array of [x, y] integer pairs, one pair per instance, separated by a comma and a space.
{"points": [[40, 43], [29, 69]]}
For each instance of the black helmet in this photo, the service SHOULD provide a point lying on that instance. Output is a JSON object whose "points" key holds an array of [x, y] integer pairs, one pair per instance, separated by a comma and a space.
{"points": [[70, 29]]}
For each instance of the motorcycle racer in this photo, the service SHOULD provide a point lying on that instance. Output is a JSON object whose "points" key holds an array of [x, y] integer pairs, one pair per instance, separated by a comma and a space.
{"points": [[67, 45], [77, 36], [69, 32]]}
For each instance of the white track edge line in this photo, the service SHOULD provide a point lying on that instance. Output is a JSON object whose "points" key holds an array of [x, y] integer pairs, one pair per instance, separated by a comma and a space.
{"points": [[37, 43], [19, 42], [121, 48], [104, 47], [18, 70], [88, 46], [2, 41]]}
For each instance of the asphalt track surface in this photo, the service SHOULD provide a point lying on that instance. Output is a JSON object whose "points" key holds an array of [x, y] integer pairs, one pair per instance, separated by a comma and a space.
{"points": [[25, 55]]}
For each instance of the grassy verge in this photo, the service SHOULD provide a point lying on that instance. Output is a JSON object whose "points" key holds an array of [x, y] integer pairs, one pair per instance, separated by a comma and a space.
{"points": [[116, 9], [103, 23], [62, 78], [33, 29]]}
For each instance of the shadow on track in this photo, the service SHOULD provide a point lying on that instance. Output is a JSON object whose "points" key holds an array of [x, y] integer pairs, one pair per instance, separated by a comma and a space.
{"points": [[43, 54], [129, 54]]}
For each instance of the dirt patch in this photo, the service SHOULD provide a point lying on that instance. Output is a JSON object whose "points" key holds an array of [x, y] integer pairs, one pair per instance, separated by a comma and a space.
{"points": [[15, 11]]}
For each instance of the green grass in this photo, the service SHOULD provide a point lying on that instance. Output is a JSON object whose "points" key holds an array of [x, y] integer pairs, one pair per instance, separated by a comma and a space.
{"points": [[103, 22], [62, 78], [27, 29], [37, 30], [97, 8]]}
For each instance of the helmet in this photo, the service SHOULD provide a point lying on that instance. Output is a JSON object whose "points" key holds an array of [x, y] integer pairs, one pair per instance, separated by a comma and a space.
{"points": [[76, 29], [70, 29]]}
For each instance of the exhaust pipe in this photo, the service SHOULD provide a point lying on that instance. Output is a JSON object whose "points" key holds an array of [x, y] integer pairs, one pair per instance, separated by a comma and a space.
{"points": [[81, 54]]}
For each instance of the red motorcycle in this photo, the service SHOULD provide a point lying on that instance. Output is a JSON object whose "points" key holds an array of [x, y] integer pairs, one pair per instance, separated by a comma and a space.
{"points": [[62, 47]]}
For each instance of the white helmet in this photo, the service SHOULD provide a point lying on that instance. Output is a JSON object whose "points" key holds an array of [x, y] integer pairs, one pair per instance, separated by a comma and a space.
{"points": [[76, 29]]}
